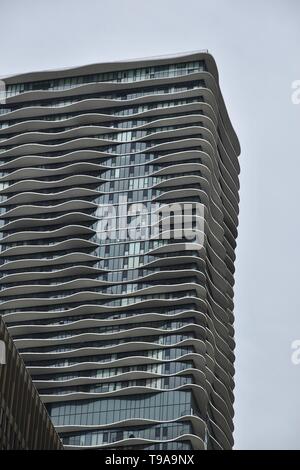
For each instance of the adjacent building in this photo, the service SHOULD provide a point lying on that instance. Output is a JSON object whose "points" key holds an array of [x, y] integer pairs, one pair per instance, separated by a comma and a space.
{"points": [[24, 421], [124, 320]]}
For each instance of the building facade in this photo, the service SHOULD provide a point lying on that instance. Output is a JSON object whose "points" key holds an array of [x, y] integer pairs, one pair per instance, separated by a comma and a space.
{"points": [[24, 421], [124, 320]]}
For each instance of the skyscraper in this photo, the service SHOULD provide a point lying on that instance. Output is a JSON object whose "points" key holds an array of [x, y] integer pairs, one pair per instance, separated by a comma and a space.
{"points": [[124, 318]]}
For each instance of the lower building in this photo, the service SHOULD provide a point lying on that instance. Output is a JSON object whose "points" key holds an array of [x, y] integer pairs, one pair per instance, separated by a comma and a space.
{"points": [[24, 421]]}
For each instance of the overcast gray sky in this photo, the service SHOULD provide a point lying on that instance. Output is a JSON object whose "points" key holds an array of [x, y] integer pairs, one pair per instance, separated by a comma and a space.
{"points": [[256, 46]]}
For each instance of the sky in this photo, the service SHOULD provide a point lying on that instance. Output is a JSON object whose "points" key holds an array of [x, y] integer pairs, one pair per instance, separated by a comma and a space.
{"points": [[256, 46]]}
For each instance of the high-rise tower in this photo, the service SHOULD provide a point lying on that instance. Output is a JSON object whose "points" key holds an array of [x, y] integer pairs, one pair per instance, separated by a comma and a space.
{"points": [[128, 334]]}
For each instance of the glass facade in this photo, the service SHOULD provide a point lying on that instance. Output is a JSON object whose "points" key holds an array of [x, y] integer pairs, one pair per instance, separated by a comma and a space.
{"points": [[128, 338], [151, 433], [164, 406]]}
